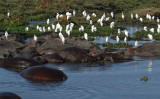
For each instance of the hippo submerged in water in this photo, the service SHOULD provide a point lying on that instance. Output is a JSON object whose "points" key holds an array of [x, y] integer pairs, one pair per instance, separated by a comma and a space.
{"points": [[147, 49]]}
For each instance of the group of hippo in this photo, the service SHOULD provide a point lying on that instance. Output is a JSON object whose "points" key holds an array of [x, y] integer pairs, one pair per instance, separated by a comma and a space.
{"points": [[27, 56]]}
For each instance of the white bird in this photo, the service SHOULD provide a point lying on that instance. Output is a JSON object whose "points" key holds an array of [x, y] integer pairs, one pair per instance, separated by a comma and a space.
{"points": [[8, 14], [74, 13], [60, 35], [112, 14], [85, 36], [27, 29], [158, 20], [88, 18], [145, 28], [49, 28], [119, 31], [90, 22], [122, 16], [136, 16], [47, 21], [53, 26], [152, 30], [136, 43], [141, 19], [126, 33], [44, 29], [63, 39], [131, 16], [150, 37], [158, 30], [117, 38], [6, 35], [125, 40], [68, 32], [37, 27], [94, 15], [107, 39], [35, 38]]}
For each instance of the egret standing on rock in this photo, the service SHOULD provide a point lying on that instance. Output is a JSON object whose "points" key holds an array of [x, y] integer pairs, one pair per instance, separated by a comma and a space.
{"points": [[6, 35], [35, 38], [136, 43]]}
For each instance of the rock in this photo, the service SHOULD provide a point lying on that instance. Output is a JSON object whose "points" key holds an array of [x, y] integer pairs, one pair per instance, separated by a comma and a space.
{"points": [[48, 35], [73, 54], [54, 58], [57, 45], [9, 95], [18, 63], [147, 49], [43, 73]]}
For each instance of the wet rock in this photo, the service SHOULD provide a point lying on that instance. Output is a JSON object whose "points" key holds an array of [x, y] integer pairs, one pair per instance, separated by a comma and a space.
{"points": [[54, 58], [43, 73], [147, 49], [9, 95], [17, 63], [56, 44], [73, 54]]}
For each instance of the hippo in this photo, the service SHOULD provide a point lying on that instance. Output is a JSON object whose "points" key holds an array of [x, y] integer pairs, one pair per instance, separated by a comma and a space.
{"points": [[18, 63], [43, 73], [73, 54], [54, 58], [147, 49], [9, 95]]}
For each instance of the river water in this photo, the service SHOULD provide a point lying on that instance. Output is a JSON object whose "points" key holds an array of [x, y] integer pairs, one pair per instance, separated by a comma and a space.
{"points": [[98, 81]]}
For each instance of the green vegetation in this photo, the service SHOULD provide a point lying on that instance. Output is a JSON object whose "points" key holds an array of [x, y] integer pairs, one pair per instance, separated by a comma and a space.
{"points": [[144, 78], [117, 45]]}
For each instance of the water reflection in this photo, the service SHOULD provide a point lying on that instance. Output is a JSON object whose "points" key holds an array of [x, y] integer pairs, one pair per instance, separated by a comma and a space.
{"points": [[150, 66]]}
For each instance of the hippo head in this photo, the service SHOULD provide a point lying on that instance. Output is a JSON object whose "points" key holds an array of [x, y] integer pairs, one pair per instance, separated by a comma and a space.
{"points": [[129, 51]]}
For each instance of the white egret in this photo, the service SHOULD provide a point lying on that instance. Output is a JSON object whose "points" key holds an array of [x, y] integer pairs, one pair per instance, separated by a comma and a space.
{"points": [[107, 39], [119, 31], [117, 38], [136, 16], [6, 35], [131, 16], [136, 43], [112, 14], [53, 26], [125, 40], [126, 33], [63, 40], [141, 19], [90, 22], [35, 38], [150, 37], [27, 29], [49, 28], [94, 15], [145, 28], [47, 21], [152, 30], [74, 13], [8, 14], [85, 36], [37, 27], [122, 16]]}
